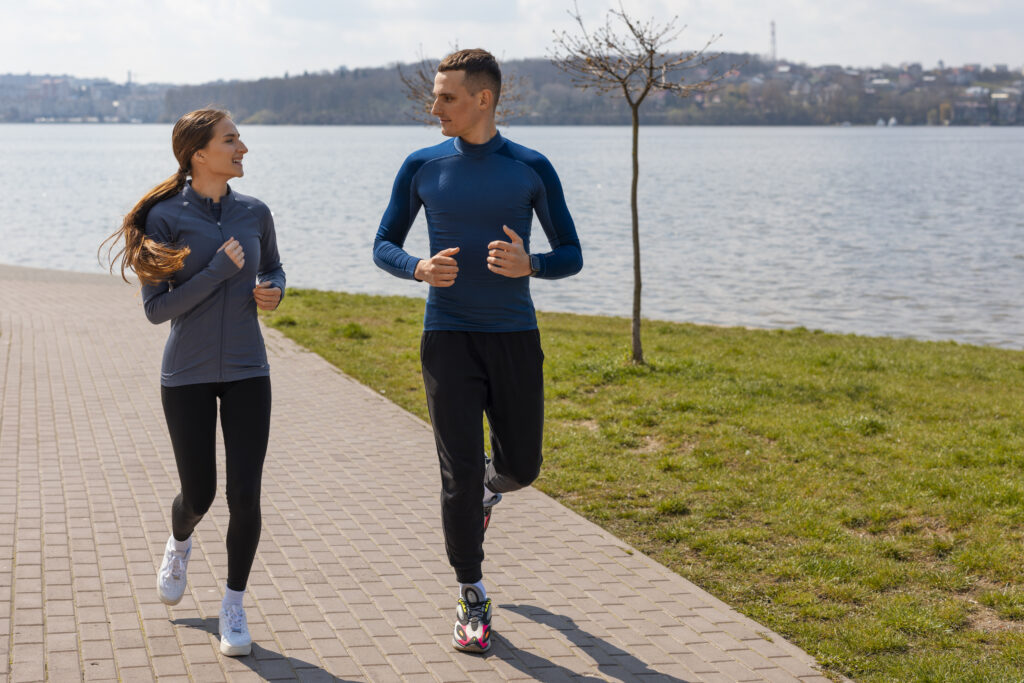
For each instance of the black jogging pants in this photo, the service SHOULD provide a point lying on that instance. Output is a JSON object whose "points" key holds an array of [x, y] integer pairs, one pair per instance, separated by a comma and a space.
{"points": [[468, 375], [191, 412]]}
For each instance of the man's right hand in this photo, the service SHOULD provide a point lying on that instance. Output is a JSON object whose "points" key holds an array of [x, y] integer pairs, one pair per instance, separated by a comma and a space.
{"points": [[440, 270]]}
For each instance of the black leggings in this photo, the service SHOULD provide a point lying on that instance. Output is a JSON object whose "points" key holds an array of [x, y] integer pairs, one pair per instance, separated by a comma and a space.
{"points": [[191, 412], [468, 375]]}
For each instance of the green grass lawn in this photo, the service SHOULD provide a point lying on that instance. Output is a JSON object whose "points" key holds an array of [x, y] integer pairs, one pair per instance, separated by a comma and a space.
{"points": [[862, 496]]}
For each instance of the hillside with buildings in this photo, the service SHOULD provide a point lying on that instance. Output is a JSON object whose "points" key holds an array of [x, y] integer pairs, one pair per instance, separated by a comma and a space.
{"points": [[28, 98], [755, 91]]}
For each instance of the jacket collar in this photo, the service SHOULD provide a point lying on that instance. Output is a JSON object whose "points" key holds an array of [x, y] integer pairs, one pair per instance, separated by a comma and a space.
{"points": [[190, 196], [471, 150]]}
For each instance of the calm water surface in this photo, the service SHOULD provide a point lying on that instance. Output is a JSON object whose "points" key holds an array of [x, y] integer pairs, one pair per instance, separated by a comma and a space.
{"points": [[904, 232]]}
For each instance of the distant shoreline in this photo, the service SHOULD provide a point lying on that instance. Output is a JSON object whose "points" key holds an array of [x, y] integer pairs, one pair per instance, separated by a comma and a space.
{"points": [[653, 124], [754, 90]]}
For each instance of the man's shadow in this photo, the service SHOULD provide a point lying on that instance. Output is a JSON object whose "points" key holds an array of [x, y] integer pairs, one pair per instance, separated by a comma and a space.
{"points": [[610, 660], [267, 664]]}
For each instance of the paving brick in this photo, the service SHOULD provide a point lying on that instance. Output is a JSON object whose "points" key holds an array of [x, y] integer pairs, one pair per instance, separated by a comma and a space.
{"points": [[100, 670], [96, 631], [62, 642], [63, 666], [383, 674], [131, 657], [777, 675], [169, 666], [351, 579], [28, 635], [342, 667], [61, 624], [137, 675], [27, 663], [200, 654], [798, 667], [210, 672]]}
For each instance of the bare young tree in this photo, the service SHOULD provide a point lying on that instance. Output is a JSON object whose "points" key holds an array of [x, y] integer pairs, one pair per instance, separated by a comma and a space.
{"points": [[418, 83], [628, 57]]}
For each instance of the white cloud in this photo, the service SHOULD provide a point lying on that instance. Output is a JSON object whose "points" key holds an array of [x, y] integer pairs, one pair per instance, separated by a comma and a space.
{"points": [[200, 40], [963, 7]]}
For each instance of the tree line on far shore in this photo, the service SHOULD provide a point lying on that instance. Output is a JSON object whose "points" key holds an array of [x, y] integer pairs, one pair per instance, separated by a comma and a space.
{"points": [[754, 92]]}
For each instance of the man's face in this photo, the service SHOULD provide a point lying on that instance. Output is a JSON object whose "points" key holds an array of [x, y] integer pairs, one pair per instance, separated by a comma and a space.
{"points": [[456, 108]]}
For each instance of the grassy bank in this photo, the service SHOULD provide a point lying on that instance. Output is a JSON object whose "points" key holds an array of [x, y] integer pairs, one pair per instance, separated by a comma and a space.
{"points": [[864, 497]]}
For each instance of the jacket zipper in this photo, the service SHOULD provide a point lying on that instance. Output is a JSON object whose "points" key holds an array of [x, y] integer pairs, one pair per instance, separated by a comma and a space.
{"points": [[223, 313]]}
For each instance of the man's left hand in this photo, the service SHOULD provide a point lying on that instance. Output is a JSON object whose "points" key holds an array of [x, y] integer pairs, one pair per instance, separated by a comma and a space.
{"points": [[267, 295], [508, 258]]}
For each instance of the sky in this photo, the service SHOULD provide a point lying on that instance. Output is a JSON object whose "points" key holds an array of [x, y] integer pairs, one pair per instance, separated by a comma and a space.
{"points": [[196, 41]]}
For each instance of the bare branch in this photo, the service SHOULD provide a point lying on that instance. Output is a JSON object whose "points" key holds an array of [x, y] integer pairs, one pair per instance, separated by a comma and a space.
{"points": [[636, 61], [632, 59], [418, 83], [419, 88]]}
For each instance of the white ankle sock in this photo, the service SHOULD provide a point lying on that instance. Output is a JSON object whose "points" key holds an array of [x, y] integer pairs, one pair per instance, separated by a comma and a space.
{"points": [[488, 493], [232, 597], [182, 546], [479, 586]]}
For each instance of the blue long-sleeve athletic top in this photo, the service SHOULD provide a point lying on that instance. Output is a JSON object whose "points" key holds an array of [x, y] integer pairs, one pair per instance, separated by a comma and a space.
{"points": [[215, 335], [468, 193]]}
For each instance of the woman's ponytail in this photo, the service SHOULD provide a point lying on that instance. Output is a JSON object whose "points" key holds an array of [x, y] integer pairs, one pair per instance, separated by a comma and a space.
{"points": [[152, 261]]}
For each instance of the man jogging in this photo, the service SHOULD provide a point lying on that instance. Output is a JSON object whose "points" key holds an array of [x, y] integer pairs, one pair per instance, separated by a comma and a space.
{"points": [[480, 351]]}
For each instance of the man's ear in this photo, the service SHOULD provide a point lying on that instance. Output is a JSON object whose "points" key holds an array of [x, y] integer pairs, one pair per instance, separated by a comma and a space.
{"points": [[485, 98]]}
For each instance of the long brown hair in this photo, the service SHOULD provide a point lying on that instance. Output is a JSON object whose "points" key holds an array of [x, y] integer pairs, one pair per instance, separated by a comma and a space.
{"points": [[152, 261]]}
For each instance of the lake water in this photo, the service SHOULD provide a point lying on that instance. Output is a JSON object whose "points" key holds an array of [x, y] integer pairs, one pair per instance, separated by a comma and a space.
{"points": [[902, 232]]}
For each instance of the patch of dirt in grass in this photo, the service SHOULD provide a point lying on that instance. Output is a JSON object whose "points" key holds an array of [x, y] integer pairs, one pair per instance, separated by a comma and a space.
{"points": [[986, 620], [686, 447], [928, 528], [569, 497], [936, 526], [652, 444]]}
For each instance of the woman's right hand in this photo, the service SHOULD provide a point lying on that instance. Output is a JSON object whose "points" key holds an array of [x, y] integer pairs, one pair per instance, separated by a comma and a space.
{"points": [[234, 251]]}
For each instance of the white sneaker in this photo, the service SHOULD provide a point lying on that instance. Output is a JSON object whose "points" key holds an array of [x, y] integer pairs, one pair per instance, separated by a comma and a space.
{"points": [[235, 640], [173, 575]]}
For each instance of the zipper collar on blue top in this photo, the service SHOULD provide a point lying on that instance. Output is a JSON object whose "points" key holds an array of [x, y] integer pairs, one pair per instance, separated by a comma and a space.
{"points": [[469, 149], [193, 197]]}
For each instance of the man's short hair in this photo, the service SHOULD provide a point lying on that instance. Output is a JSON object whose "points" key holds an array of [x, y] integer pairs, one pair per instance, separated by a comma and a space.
{"points": [[481, 69]]}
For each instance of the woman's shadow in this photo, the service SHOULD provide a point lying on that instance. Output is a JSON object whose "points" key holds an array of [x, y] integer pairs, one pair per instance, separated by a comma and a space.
{"points": [[267, 664], [610, 660]]}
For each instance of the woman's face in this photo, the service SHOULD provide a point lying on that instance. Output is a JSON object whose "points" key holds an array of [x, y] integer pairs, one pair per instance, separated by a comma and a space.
{"points": [[223, 154]]}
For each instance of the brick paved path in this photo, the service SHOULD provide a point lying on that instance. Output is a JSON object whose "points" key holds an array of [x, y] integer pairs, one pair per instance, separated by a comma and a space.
{"points": [[350, 581]]}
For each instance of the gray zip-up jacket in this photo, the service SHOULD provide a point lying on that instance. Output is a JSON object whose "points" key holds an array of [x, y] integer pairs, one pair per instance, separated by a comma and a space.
{"points": [[215, 335]]}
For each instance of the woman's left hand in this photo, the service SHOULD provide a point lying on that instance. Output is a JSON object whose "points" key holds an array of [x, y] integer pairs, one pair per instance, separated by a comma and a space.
{"points": [[267, 296]]}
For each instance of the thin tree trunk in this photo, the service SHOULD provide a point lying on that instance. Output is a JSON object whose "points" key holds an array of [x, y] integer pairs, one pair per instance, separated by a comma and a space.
{"points": [[638, 352]]}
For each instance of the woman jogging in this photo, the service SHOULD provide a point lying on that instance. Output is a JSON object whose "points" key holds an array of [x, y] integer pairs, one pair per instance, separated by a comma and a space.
{"points": [[199, 250]]}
